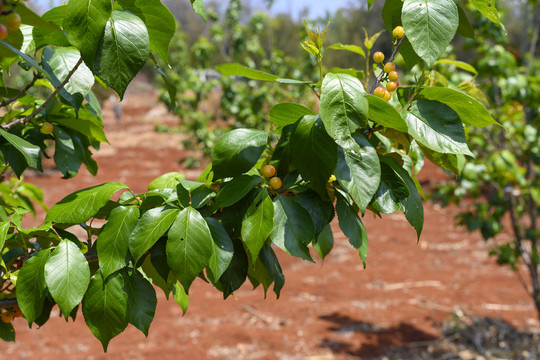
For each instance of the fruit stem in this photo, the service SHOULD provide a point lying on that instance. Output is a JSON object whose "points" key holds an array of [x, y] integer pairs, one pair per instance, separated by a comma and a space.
{"points": [[390, 59]]}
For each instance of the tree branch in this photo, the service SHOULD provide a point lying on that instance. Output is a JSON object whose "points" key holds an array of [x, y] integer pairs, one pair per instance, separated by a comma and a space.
{"points": [[26, 119], [22, 92], [390, 59]]}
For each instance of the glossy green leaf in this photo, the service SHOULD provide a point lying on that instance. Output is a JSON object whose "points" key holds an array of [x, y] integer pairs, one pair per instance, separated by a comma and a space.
{"points": [[459, 64], [31, 286], [358, 170], [450, 162], [320, 211], [313, 152], [464, 28], [10, 52], [325, 242], [142, 301], [352, 227], [237, 151], [344, 106], [105, 308], [86, 123], [62, 61], [151, 273], [487, 8], [413, 208], [269, 260], [152, 225], [181, 297], [391, 192], [430, 25], [67, 276], [288, 113], [436, 126], [7, 332], [235, 275], [189, 246], [123, 50], [84, 21], [257, 224], [43, 37], [470, 110], [385, 114], [113, 240], [69, 152], [223, 248], [159, 21], [234, 190], [29, 17], [198, 7], [166, 181], [352, 48], [293, 228], [4, 228], [30, 152], [81, 205], [235, 69]]}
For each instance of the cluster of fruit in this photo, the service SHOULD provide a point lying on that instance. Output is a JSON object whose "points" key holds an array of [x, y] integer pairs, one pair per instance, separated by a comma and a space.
{"points": [[8, 315], [12, 21], [389, 69], [269, 171]]}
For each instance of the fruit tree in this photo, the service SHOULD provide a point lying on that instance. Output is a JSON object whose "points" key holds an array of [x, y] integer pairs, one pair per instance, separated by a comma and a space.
{"points": [[355, 153]]}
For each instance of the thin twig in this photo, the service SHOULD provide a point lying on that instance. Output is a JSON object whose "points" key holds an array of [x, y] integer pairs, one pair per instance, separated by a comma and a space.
{"points": [[22, 92], [56, 91], [390, 59], [8, 303]]}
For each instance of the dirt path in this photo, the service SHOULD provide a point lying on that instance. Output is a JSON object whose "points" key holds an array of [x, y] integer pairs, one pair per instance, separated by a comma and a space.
{"points": [[330, 310]]}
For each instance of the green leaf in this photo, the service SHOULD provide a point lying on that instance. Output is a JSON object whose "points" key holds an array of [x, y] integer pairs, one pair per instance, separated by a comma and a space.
{"points": [[171, 86], [234, 190], [320, 211], [269, 260], [159, 21], [464, 28], [352, 48], [151, 273], [60, 62], [450, 162], [459, 64], [9, 55], [28, 17], [352, 227], [122, 51], [7, 332], [436, 126], [189, 246], [344, 106], [105, 308], [235, 69], [81, 205], [413, 208], [385, 114], [223, 248], [152, 225], [487, 8], [293, 228], [43, 37], [69, 152], [181, 297], [325, 242], [31, 286], [198, 7], [258, 223], [237, 151], [30, 152], [84, 21], [430, 25], [4, 228], [113, 240], [288, 113], [391, 192], [358, 170], [313, 152], [142, 301], [67, 276], [86, 124], [236, 273], [166, 181], [470, 110]]}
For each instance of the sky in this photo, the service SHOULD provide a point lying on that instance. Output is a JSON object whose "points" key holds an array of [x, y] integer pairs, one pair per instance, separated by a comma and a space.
{"points": [[316, 7]]}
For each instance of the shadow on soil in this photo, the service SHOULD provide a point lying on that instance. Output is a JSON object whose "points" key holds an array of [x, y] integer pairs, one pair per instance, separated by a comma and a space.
{"points": [[463, 337], [378, 339]]}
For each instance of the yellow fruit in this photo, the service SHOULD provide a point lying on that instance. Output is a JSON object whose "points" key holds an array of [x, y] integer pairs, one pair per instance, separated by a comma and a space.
{"points": [[268, 171], [398, 32], [389, 67], [46, 128], [378, 57], [276, 183], [13, 21]]}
